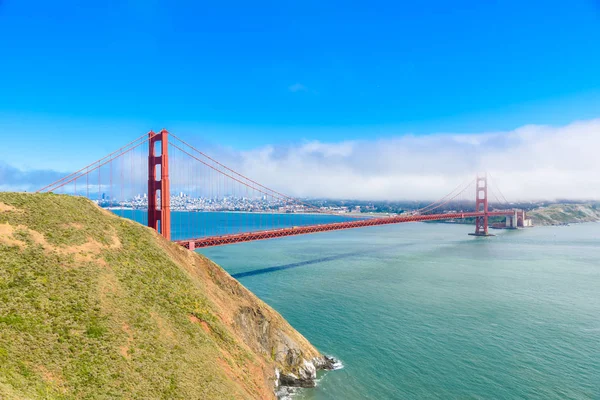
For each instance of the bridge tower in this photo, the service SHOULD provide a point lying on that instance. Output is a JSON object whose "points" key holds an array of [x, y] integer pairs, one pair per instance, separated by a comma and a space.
{"points": [[481, 205], [162, 214]]}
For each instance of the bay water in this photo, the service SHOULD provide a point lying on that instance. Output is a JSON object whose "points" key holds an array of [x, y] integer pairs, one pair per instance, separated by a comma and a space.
{"points": [[424, 311]]}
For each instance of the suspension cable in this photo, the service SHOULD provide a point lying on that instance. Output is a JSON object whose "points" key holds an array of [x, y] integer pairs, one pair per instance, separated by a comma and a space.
{"points": [[90, 165], [53, 186]]}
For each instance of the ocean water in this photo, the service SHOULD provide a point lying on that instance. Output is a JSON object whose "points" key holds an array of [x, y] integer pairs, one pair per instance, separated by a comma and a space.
{"points": [[424, 311]]}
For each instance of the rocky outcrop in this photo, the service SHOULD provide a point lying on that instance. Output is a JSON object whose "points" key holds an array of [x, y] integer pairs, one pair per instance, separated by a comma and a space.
{"points": [[307, 372], [297, 364]]}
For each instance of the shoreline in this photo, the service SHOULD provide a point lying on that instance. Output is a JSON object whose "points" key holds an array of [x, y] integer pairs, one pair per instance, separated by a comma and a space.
{"points": [[288, 385]]}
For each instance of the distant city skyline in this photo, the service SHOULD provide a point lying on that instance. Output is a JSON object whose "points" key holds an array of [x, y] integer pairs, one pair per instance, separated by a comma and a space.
{"points": [[185, 202]]}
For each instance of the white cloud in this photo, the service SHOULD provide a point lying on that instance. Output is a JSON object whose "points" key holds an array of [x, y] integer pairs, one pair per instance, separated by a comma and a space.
{"points": [[297, 87], [532, 162], [529, 163]]}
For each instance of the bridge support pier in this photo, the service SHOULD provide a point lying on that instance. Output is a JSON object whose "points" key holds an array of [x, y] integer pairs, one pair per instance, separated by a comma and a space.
{"points": [[518, 220], [162, 214], [512, 220], [481, 205]]}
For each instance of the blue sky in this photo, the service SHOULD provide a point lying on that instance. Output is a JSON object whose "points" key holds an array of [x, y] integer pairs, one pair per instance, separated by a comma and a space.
{"points": [[91, 75]]}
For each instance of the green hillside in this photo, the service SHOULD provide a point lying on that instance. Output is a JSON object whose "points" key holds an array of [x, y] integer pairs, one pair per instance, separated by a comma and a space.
{"points": [[557, 214], [96, 306]]}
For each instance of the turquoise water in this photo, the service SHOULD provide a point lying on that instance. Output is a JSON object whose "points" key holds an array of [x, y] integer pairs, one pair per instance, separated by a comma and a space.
{"points": [[187, 225], [425, 311]]}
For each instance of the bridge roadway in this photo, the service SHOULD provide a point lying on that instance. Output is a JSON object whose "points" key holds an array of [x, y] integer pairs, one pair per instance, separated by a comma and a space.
{"points": [[211, 241]]}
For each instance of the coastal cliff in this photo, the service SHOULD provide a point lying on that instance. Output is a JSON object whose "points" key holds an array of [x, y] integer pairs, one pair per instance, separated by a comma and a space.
{"points": [[559, 214], [95, 306]]}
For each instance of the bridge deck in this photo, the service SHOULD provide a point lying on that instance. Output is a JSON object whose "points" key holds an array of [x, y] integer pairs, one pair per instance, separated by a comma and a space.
{"points": [[303, 230]]}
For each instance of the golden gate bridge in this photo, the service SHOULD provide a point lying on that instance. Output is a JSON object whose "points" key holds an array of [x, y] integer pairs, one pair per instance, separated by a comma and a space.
{"points": [[161, 163]]}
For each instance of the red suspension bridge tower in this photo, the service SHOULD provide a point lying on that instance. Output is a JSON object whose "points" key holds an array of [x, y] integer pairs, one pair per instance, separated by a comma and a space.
{"points": [[162, 214], [481, 206]]}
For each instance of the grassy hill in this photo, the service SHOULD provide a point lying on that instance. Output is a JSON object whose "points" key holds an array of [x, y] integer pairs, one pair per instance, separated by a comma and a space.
{"points": [[96, 306], [557, 214]]}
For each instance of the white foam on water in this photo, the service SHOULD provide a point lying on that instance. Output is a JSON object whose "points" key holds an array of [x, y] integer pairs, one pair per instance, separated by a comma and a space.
{"points": [[337, 365]]}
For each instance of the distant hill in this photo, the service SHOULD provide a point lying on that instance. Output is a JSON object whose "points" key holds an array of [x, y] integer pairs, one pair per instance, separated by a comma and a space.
{"points": [[557, 214], [96, 306]]}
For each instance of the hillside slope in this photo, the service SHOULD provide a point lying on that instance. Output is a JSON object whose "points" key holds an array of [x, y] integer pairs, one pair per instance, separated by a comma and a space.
{"points": [[96, 306], [557, 214]]}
